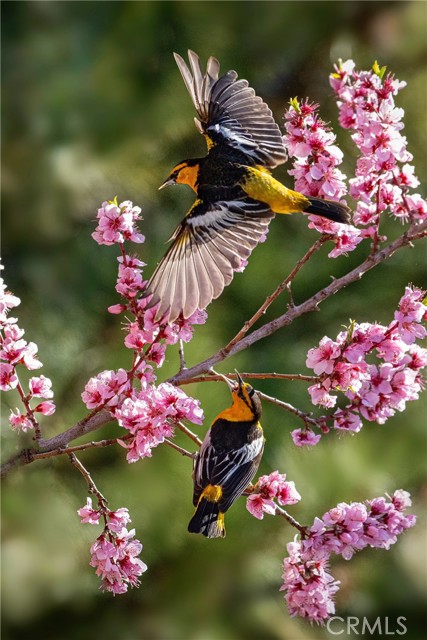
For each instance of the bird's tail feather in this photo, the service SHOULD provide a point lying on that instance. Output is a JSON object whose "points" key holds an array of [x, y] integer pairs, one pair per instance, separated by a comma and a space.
{"points": [[329, 209], [207, 520]]}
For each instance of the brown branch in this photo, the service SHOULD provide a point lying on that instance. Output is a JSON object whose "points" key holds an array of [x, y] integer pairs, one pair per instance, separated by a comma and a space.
{"points": [[301, 528], [182, 451], [92, 488], [252, 489], [210, 377], [189, 433], [282, 286], [94, 420], [99, 418], [288, 407]]}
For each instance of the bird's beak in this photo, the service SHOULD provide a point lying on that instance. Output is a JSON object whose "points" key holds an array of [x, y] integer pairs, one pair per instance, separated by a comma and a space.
{"points": [[167, 182], [239, 379], [231, 384]]}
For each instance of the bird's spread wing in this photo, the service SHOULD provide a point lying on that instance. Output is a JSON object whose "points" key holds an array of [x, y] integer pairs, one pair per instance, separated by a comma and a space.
{"points": [[232, 470], [211, 242], [230, 113]]}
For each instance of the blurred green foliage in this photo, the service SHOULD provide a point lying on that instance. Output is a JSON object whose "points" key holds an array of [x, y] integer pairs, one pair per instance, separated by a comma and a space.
{"points": [[93, 106]]}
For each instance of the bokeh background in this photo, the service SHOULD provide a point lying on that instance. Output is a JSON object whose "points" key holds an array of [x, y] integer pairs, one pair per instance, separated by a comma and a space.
{"points": [[94, 106]]}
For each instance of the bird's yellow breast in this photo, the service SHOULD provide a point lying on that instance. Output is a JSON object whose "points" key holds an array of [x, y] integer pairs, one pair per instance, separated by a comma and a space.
{"points": [[260, 185]]}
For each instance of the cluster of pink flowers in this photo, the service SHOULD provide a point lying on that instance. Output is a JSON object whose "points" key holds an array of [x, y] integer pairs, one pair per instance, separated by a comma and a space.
{"points": [[15, 351], [376, 389], [147, 411], [383, 173], [117, 223], [150, 415], [345, 529], [114, 553], [316, 158], [270, 488], [312, 143]]}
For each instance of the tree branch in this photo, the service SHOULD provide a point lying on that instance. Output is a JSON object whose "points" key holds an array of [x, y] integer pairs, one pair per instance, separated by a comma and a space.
{"points": [[413, 233], [211, 377], [99, 418]]}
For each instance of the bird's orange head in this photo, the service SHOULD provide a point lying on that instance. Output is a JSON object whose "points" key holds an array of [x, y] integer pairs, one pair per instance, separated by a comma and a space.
{"points": [[185, 172], [246, 402]]}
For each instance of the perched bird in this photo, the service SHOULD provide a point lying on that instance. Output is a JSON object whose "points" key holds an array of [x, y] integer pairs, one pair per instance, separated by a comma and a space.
{"points": [[227, 461], [236, 194]]}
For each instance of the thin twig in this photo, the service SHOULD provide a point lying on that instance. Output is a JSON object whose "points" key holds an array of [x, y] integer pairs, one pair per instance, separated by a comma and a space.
{"points": [[288, 407], [210, 377], [189, 433], [272, 297], [184, 452], [30, 412], [92, 488], [301, 528], [252, 489]]}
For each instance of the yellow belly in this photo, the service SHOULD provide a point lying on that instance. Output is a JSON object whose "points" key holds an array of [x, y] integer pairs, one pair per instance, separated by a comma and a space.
{"points": [[259, 184]]}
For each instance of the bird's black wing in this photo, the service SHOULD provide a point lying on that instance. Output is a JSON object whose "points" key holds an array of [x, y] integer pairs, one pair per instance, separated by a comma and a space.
{"points": [[231, 113], [232, 470], [207, 247]]}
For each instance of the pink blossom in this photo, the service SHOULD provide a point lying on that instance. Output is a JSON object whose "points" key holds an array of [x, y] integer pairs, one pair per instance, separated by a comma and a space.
{"points": [[137, 338], [156, 353], [114, 553], [305, 437], [376, 391], [311, 142], [270, 488], [343, 530], [275, 485], [185, 327], [15, 350], [105, 388], [7, 301], [41, 387], [20, 421], [46, 408], [8, 378], [401, 499], [412, 311], [383, 175], [320, 394], [322, 358], [347, 421], [129, 282], [309, 588], [117, 520], [117, 223], [257, 506], [151, 414], [116, 561], [346, 240], [88, 514], [117, 308], [29, 359]]}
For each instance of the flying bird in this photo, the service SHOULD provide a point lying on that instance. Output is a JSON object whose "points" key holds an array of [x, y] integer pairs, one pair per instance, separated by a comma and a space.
{"points": [[236, 195], [227, 461]]}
